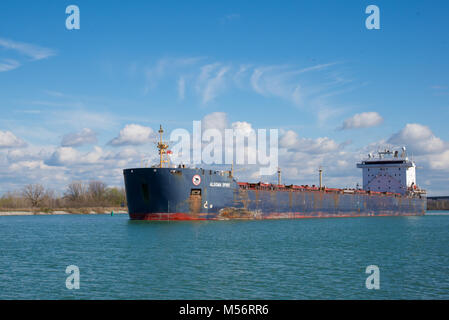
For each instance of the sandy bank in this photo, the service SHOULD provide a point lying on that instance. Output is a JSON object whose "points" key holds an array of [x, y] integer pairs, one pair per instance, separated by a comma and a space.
{"points": [[58, 212]]}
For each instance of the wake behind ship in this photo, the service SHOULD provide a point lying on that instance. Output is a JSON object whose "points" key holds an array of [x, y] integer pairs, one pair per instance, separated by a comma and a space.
{"points": [[181, 193]]}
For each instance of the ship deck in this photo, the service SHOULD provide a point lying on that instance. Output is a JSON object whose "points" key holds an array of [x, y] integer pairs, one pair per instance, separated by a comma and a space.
{"points": [[301, 188]]}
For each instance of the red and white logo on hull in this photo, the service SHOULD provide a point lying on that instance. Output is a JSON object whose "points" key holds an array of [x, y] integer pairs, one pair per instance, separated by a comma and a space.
{"points": [[196, 180]]}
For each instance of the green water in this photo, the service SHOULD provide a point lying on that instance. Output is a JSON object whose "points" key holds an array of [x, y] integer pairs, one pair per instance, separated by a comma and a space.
{"points": [[280, 259]]}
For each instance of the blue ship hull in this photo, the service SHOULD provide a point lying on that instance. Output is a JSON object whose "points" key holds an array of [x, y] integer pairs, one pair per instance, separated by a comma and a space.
{"points": [[199, 194]]}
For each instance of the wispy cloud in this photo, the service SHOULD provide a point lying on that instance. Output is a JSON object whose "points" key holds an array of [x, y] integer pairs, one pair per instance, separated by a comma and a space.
{"points": [[310, 87], [59, 104], [85, 136], [166, 67], [211, 81], [230, 17], [8, 64], [440, 90], [439, 87], [282, 81], [54, 93], [31, 51], [22, 52], [181, 88]]}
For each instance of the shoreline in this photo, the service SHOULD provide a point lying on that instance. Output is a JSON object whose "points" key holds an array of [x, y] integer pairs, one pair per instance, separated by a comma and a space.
{"points": [[67, 212], [57, 212]]}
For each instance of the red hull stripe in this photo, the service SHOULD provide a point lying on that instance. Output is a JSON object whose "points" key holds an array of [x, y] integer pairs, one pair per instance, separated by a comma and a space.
{"points": [[270, 216], [164, 216]]}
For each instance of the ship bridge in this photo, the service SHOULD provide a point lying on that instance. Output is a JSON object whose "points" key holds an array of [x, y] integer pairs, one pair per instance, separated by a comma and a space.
{"points": [[389, 171]]}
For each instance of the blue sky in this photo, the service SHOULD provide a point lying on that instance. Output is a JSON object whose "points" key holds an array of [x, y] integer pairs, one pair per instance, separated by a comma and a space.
{"points": [[304, 67]]}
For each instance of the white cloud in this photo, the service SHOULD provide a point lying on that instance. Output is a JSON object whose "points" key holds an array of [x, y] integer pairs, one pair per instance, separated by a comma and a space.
{"points": [[292, 141], [289, 139], [93, 156], [242, 128], [125, 153], [66, 156], [29, 153], [32, 51], [133, 134], [215, 120], [55, 167], [299, 158], [30, 165], [439, 161], [8, 64], [362, 120], [418, 139], [85, 136], [9, 140]]}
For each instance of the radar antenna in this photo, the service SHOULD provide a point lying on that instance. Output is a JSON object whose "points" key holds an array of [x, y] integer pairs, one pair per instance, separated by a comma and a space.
{"points": [[403, 155]]}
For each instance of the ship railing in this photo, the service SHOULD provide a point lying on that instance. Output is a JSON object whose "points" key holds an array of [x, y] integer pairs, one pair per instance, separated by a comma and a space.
{"points": [[301, 188]]}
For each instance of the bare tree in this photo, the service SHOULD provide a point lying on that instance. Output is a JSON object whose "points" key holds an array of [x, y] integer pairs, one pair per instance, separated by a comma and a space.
{"points": [[97, 190], [34, 193], [49, 199], [13, 200], [76, 191]]}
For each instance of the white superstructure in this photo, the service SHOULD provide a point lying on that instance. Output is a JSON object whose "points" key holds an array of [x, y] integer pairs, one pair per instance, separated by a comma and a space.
{"points": [[389, 171]]}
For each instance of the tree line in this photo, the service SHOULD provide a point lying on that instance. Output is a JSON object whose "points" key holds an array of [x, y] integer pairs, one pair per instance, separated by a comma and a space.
{"points": [[437, 204], [78, 194]]}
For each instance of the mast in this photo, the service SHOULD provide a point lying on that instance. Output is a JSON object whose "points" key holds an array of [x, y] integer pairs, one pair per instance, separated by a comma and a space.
{"points": [[162, 146], [320, 170]]}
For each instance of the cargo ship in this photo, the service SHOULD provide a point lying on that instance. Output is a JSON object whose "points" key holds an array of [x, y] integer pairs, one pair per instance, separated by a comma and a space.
{"points": [[167, 193]]}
